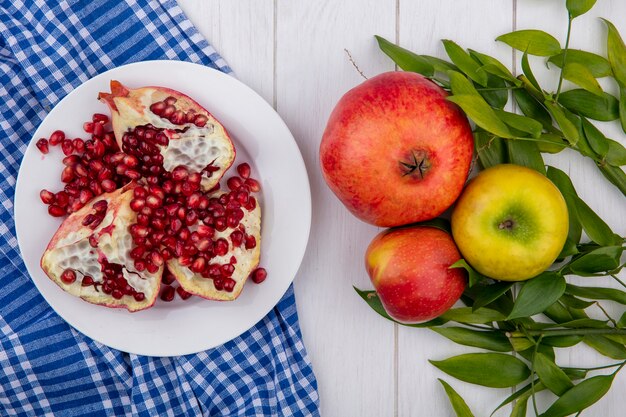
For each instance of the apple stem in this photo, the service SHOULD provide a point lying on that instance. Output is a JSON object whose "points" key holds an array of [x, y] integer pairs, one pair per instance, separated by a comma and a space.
{"points": [[566, 332]]}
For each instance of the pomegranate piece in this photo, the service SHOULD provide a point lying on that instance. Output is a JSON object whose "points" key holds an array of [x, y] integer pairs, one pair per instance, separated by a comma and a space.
{"points": [[105, 276], [258, 275], [244, 170], [170, 130], [57, 137], [42, 145]]}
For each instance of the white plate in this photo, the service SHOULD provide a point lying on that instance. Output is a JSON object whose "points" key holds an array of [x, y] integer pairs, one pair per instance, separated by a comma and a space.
{"points": [[261, 138]]}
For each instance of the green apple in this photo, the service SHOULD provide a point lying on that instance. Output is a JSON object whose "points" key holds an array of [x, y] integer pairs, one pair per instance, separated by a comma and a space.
{"points": [[510, 223]]}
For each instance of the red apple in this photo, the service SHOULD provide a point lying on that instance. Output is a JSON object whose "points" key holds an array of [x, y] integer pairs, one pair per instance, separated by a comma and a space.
{"points": [[395, 151], [409, 268]]}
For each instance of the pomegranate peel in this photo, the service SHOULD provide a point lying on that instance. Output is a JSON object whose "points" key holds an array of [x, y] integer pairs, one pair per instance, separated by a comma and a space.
{"points": [[183, 131], [246, 261], [90, 252]]}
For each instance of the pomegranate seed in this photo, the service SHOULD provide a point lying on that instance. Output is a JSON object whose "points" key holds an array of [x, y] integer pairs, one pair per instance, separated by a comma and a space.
{"points": [[108, 185], [137, 230], [153, 201], [106, 289], [95, 187], [156, 258], [140, 265], [251, 204], [244, 170], [170, 100], [62, 198], [140, 192], [80, 170], [191, 218], [180, 173], [46, 196], [136, 204], [67, 175], [71, 160], [203, 245], [200, 120], [198, 265], [258, 275], [253, 184], [229, 284], [139, 296], [57, 137], [250, 242], [193, 201], [96, 222], [98, 130], [221, 247], [220, 224], [232, 221], [137, 252], [178, 117], [182, 293], [152, 268], [100, 206], [68, 276], [168, 111], [100, 118], [42, 145], [117, 294], [168, 294], [88, 127], [205, 231], [234, 183], [85, 196], [79, 145], [176, 224], [161, 139], [158, 107], [236, 237], [227, 270], [143, 219], [87, 281], [75, 206], [131, 161], [167, 278], [88, 220], [195, 177], [214, 270], [93, 241], [132, 174], [56, 211]]}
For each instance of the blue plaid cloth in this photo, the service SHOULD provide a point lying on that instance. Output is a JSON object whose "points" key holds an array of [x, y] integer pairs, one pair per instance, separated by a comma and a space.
{"points": [[47, 48]]}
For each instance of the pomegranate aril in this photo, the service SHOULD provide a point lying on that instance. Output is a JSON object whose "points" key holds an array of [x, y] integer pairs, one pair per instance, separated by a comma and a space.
{"points": [[244, 170], [88, 220], [136, 204], [139, 296], [191, 218], [93, 241], [137, 252], [42, 145], [251, 205], [234, 183], [100, 118], [168, 294], [68, 276], [204, 230], [180, 173], [220, 247], [46, 196], [152, 268], [158, 107], [79, 145], [218, 283], [156, 259], [170, 100], [117, 294], [250, 242], [67, 175], [57, 137], [178, 117], [132, 174], [198, 265], [176, 224], [200, 120], [182, 293], [62, 198], [143, 219], [75, 206], [253, 184], [227, 270], [167, 278], [195, 178], [258, 275], [130, 160], [236, 237], [100, 206], [138, 230], [88, 127], [85, 196], [87, 281], [140, 265], [229, 284], [98, 130], [220, 224], [108, 185]]}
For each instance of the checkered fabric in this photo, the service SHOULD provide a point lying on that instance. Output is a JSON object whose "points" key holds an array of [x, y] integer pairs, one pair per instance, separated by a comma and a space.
{"points": [[47, 48]]}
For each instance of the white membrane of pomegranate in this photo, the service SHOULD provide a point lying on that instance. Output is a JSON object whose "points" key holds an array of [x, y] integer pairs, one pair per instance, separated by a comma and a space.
{"points": [[261, 138]]}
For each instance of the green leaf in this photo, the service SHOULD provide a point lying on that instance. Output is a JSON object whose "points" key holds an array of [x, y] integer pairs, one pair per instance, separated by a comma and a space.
{"points": [[523, 123], [570, 131], [519, 409], [481, 113], [521, 344], [622, 107], [460, 84], [616, 52], [603, 259], [615, 175], [404, 58], [582, 323], [582, 102], [580, 396], [466, 315], [474, 277], [622, 320], [597, 65], [616, 155], [606, 346], [490, 293], [439, 64], [571, 301], [491, 340], [562, 341], [495, 370], [564, 184], [491, 150], [578, 7], [538, 294], [597, 293], [526, 154], [580, 75], [551, 143], [532, 108], [535, 42], [521, 394], [458, 403], [372, 299], [495, 98], [594, 226], [551, 375], [598, 142], [465, 62], [528, 354], [493, 66], [528, 71]]}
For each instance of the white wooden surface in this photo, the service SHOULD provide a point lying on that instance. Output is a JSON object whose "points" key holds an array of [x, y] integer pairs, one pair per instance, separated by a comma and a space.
{"points": [[292, 53]]}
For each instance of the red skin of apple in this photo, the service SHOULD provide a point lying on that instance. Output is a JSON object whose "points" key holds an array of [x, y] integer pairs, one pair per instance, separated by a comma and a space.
{"points": [[379, 136], [409, 268]]}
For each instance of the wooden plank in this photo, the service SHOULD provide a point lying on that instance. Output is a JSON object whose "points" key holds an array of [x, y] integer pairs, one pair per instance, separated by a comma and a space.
{"points": [[471, 24], [243, 33], [351, 348]]}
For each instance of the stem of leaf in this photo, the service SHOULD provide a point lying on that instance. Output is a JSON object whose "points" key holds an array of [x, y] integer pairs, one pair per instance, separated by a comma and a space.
{"points": [[619, 369], [568, 332], [619, 280], [569, 30], [478, 327], [606, 314], [597, 367], [532, 373]]}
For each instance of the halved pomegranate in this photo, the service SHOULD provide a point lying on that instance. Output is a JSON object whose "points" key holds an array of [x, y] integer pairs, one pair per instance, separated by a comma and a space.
{"points": [[89, 255], [226, 251], [165, 129]]}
